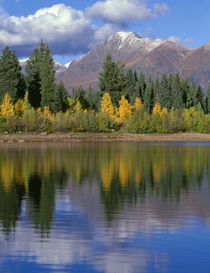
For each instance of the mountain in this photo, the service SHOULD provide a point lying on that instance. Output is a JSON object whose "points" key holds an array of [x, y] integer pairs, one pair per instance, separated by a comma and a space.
{"points": [[152, 56]]}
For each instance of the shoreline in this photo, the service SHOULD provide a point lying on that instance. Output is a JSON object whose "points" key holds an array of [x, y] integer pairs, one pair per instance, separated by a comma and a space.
{"points": [[102, 137]]}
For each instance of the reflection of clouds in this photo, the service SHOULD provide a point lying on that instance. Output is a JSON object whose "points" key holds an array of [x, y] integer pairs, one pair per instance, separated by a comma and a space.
{"points": [[70, 244], [128, 260]]}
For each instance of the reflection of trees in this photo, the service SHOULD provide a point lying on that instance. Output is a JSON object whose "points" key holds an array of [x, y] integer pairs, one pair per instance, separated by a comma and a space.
{"points": [[34, 174], [124, 173]]}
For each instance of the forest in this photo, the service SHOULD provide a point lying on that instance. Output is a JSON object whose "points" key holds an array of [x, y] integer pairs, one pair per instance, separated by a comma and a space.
{"points": [[125, 101]]}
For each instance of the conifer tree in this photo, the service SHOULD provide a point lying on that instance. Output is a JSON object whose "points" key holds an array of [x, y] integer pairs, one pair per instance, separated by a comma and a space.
{"points": [[200, 97], [164, 97], [112, 79], [33, 78], [131, 81], [140, 87], [177, 93], [149, 95], [11, 79], [61, 98], [47, 75]]}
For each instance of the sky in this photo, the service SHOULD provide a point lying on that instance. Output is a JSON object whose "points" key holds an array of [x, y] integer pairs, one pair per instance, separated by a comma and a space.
{"points": [[73, 27]]}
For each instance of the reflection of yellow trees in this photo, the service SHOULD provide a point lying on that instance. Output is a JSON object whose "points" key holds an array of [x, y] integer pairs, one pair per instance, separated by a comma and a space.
{"points": [[7, 175], [107, 173], [129, 165], [124, 171]]}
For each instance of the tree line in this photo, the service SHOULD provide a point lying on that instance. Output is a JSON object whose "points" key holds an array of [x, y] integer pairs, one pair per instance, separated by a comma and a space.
{"points": [[124, 101]]}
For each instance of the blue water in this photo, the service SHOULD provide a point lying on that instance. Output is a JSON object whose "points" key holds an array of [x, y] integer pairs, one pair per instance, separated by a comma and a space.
{"points": [[105, 208]]}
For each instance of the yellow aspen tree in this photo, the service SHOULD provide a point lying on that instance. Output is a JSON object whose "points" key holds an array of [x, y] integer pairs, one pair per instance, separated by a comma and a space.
{"points": [[7, 108], [157, 109], [107, 106], [125, 109], [27, 104], [164, 112], [47, 114], [78, 107], [137, 104], [19, 107], [71, 104]]}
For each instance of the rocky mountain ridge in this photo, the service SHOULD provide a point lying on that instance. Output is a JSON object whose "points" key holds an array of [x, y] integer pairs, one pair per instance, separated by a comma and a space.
{"points": [[152, 56]]}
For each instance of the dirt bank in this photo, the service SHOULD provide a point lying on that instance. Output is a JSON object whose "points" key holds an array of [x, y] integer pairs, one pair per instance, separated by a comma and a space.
{"points": [[103, 137]]}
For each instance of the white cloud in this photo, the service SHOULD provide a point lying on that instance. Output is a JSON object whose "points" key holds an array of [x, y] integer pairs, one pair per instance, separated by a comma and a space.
{"points": [[180, 41], [58, 24], [69, 31], [120, 11]]}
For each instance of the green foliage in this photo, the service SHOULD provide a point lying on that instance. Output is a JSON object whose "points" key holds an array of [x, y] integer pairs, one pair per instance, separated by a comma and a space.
{"points": [[47, 75], [164, 97], [112, 79], [11, 79], [61, 98], [33, 78]]}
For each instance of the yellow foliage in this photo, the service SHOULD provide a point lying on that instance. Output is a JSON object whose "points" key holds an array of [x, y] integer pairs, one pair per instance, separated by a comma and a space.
{"points": [[164, 112], [125, 109], [156, 109], [7, 108], [107, 106], [19, 107], [47, 114], [137, 104], [78, 107]]}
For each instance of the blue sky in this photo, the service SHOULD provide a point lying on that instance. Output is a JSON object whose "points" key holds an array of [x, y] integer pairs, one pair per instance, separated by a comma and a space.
{"points": [[72, 27]]}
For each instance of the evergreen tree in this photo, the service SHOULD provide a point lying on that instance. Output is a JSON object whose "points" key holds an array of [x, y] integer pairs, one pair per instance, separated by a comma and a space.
{"points": [[79, 94], [90, 98], [149, 95], [165, 92], [140, 87], [177, 93], [112, 79], [187, 99], [156, 89], [61, 98], [200, 97], [131, 80], [47, 76], [33, 78], [11, 79]]}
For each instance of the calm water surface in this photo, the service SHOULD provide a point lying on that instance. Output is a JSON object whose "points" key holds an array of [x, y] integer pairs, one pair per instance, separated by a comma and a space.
{"points": [[111, 208]]}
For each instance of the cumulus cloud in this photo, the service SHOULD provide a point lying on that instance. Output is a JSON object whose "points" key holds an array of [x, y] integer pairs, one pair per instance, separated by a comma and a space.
{"points": [[180, 41], [119, 11], [57, 25], [69, 31]]}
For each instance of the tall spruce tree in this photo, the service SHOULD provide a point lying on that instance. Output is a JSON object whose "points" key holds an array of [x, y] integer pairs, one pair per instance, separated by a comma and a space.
{"points": [[112, 79], [11, 79], [33, 78], [177, 93], [149, 95], [47, 76], [131, 80], [164, 97], [61, 98], [141, 86]]}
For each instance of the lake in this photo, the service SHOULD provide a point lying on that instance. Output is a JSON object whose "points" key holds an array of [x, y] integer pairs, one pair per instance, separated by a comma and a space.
{"points": [[106, 207]]}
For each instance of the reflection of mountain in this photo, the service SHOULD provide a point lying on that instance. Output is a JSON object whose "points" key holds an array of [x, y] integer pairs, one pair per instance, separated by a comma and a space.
{"points": [[132, 177]]}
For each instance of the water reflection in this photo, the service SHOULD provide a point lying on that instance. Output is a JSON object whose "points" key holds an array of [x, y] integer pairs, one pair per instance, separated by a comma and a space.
{"points": [[102, 207]]}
